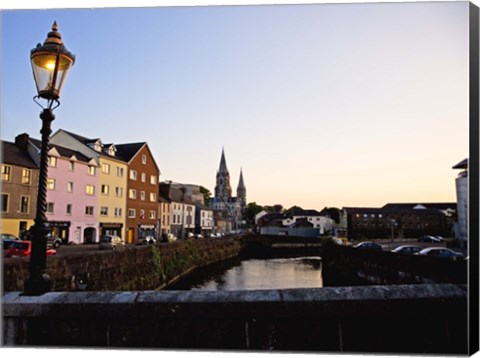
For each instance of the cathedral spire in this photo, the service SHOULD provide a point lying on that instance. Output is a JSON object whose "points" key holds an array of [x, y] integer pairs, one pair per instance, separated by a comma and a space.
{"points": [[223, 163], [241, 184]]}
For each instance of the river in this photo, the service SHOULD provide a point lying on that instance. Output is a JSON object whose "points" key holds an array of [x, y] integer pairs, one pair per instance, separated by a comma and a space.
{"points": [[255, 274]]}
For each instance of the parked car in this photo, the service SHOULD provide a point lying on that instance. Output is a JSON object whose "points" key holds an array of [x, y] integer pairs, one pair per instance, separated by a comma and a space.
{"points": [[429, 238], [7, 240], [407, 249], [53, 241], [23, 248], [368, 245], [440, 252], [111, 242], [147, 240]]}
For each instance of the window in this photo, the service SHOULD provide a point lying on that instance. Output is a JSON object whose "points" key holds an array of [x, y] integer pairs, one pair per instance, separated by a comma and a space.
{"points": [[144, 177], [104, 211], [52, 162], [91, 170], [69, 209], [106, 168], [131, 213], [90, 190], [119, 172], [51, 184], [153, 179], [118, 192], [105, 189], [50, 208], [4, 203], [89, 210], [153, 197], [6, 172], [142, 195], [142, 214], [133, 174], [118, 212], [144, 159], [70, 186], [132, 194], [152, 214], [26, 176], [24, 204], [71, 166]]}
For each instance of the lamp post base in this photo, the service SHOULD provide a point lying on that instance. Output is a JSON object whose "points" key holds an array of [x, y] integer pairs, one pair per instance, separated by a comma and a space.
{"points": [[37, 286]]}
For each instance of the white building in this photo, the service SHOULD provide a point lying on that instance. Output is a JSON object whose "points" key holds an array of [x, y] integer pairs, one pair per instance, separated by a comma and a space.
{"points": [[461, 184]]}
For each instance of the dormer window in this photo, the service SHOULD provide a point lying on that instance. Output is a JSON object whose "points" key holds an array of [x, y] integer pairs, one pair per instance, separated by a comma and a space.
{"points": [[98, 146], [112, 150]]}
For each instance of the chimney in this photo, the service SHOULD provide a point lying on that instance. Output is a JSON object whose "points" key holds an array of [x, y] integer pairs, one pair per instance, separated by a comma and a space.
{"points": [[21, 141]]}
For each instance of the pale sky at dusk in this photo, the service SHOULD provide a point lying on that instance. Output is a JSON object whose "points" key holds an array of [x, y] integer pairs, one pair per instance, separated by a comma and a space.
{"points": [[321, 105]]}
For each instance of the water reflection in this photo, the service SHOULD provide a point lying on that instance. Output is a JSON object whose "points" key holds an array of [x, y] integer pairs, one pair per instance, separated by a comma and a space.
{"points": [[253, 274]]}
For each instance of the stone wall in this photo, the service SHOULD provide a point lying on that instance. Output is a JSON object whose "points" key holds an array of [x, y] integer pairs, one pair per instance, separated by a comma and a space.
{"points": [[420, 319], [131, 268], [346, 266]]}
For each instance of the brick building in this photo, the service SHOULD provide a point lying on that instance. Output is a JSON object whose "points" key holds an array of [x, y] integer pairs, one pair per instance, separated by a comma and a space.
{"points": [[19, 188], [406, 220], [142, 191]]}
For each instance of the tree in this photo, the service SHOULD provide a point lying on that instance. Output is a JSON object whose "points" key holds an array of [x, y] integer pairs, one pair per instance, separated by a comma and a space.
{"points": [[207, 195], [251, 210], [294, 208], [333, 213]]}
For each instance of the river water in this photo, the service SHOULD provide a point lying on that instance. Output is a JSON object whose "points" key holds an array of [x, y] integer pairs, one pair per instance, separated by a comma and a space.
{"points": [[255, 274]]}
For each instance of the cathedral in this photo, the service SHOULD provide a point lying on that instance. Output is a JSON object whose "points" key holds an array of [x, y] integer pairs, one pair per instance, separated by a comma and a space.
{"points": [[230, 208]]}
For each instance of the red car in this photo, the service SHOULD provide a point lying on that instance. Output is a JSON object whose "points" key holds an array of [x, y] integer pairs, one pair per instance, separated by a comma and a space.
{"points": [[23, 248]]}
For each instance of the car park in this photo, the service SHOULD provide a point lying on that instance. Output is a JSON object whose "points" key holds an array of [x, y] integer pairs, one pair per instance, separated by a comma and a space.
{"points": [[368, 245], [440, 252], [407, 249], [22, 248], [110, 242]]}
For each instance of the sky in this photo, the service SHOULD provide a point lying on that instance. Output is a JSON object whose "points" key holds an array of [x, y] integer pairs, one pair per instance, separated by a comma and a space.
{"points": [[322, 105]]}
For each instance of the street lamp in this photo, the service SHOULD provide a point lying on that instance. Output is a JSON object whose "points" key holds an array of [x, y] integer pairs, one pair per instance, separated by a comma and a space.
{"points": [[51, 63]]}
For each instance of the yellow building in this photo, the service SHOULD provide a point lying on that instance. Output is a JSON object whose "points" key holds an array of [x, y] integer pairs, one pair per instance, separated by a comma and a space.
{"points": [[112, 201]]}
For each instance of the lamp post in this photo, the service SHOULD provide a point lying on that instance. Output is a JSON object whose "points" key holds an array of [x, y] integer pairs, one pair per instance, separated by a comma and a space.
{"points": [[51, 63]]}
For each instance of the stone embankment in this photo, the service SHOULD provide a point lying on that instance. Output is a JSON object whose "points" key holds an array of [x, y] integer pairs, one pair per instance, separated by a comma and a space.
{"points": [[130, 269]]}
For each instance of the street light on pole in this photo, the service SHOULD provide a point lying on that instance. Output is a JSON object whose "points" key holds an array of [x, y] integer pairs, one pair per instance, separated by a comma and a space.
{"points": [[51, 63]]}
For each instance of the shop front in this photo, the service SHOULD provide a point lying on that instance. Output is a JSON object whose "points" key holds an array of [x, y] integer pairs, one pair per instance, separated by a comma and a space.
{"points": [[147, 230], [60, 229], [111, 229]]}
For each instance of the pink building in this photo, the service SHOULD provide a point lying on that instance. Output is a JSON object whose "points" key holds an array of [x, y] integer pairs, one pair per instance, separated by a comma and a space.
{"points": [[72, 194]]}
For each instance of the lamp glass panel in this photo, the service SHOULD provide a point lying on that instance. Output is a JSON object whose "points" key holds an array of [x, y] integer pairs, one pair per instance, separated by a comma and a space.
{"points": [[43, 66]]}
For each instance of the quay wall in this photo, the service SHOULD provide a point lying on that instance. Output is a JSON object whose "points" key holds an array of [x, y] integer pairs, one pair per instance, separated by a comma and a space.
{"points": [[411, 319], [131, 268], [347, 266]]}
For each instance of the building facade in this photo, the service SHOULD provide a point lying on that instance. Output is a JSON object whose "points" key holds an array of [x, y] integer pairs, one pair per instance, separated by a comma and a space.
{"points": [[406, 220], [142, 191], [72, 185], [19, 188], [461, 188]]}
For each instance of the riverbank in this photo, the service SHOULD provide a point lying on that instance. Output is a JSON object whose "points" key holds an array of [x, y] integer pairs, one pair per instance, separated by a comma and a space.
{"points": [[134, 268]]}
